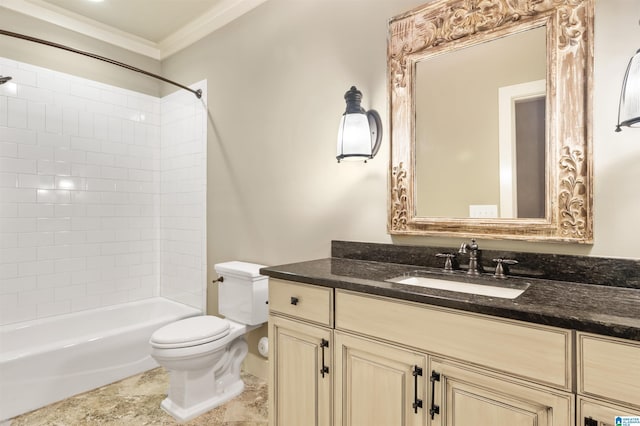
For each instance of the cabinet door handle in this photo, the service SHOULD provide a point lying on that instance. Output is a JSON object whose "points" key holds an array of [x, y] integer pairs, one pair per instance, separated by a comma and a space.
{"points": [[435, 409], [324, 344], [417, 403], [294, 300]]}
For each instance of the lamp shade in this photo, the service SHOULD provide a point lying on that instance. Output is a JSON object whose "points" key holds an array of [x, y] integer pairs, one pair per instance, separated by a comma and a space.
{"points": [[360, 131], [629, 107]]}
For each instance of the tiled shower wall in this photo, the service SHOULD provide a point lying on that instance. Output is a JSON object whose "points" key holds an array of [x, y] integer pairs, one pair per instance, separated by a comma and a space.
{"points": [[183, 179], [80, 194]]}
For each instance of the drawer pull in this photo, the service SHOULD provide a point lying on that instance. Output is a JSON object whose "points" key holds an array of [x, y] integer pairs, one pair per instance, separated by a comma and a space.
{"points": [[435, 409], [417, 403], [324, 344], [294, 300]]}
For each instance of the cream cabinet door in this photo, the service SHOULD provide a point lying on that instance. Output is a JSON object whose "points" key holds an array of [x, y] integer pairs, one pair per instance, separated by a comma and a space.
{"points": [[597, 413], [466, 396], [378, 384], [300, 374]]}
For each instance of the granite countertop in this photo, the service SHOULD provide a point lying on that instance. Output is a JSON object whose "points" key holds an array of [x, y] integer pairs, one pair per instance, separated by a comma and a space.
{"points": [[607, 310]]}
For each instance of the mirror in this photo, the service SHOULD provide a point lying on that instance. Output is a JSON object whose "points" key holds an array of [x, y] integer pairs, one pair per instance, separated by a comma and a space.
{"points": [[490, 115]]}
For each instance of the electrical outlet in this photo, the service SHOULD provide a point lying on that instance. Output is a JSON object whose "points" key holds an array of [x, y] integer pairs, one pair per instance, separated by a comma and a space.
{"points": [[483, 210]]}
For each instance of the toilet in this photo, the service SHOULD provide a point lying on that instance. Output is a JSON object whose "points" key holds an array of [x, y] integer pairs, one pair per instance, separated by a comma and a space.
{"points": [[203, 354]]}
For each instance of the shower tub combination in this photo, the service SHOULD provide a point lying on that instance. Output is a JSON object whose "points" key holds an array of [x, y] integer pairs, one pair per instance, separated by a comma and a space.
{"points": [[47, 360]]}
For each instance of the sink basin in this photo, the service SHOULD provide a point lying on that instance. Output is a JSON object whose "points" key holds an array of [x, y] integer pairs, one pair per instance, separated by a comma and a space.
{"points": [[505, 291]]}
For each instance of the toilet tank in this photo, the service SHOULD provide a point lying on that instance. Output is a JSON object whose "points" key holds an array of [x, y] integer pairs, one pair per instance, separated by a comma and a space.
{"points": [[243, 292]]}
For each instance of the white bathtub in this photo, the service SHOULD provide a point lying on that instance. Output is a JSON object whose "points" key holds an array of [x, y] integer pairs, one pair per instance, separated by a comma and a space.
{"points": [[50, 359]]}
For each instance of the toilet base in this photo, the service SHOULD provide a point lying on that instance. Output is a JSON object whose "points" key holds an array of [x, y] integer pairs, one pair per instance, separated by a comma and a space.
{"points": [[182, 414]]}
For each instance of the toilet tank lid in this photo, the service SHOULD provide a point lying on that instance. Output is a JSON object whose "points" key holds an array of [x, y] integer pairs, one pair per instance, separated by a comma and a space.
{"points": [[237, 268]]}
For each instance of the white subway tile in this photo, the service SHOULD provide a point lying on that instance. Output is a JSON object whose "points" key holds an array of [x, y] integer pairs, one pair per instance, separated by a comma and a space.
{"points": [[58, 141], [54, 252], [35, 296], [57, 196], [34, 239], [79, 303], [16, 285], [53, 114], [8, 239], [75, 157], [114, 298], [69, 292], [8, 210], [100, 127], [46, 224], [17, 224], [39, 267], [3, 110], [8, 149], [85, 223], [48, 309], [35, 152], [17, 113], [13, 313], [36, 116], [22, 136], [8, 271], [70, 237], [86, 276], [17, 165], [35, 210], [35, 181], [85, 144], [70, 121], [54, 280], [74, 264]]}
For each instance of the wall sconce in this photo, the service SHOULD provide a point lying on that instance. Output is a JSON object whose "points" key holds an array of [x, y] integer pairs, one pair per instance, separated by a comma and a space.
{"points": [[629, 107], [360, 131]]}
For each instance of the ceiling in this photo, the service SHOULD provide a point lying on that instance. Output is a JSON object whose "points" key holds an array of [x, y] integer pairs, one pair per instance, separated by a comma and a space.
{"points": [[156, 28]]}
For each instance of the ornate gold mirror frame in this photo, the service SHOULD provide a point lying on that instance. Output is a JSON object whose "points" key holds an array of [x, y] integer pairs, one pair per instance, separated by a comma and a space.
{"points": [[446, 25]]}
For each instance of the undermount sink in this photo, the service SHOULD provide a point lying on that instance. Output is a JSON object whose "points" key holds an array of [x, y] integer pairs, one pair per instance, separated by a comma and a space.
{"points": [[503, 290]]}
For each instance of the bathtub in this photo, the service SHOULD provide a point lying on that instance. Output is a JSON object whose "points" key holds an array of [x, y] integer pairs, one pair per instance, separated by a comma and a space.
{"points": [[50, 359]]}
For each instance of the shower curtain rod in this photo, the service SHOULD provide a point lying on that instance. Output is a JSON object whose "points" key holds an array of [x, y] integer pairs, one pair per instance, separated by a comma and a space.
{"points": [[198, 92]]}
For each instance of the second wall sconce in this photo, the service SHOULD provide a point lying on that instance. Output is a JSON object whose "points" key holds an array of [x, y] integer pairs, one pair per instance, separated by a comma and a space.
{"points": [[360, 131], [629, 107]]}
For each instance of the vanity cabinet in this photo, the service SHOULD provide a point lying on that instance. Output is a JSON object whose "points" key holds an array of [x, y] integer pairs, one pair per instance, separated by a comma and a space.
{"points": [[346, 358], [465, 395], [608, 379], [378, 384], [300, 360]]}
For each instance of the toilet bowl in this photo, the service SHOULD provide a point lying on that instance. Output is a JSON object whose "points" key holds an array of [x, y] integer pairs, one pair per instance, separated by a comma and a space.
{"points": [[204, 354]]}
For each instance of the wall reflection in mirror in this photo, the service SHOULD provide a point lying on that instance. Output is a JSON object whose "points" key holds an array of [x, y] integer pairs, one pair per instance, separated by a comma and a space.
{"points": [[480, 129]]}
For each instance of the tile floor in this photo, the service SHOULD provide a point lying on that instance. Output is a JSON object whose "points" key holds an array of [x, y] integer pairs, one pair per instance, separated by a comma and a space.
{"points": [[136, 401]]}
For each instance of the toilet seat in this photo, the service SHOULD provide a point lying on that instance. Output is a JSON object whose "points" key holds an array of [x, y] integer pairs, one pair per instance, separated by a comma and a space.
{"points": [[190, 332]]}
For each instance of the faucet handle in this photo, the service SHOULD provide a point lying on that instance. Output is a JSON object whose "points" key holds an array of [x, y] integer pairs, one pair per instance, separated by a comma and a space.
{"points": [[450, 262], [502, 267]]}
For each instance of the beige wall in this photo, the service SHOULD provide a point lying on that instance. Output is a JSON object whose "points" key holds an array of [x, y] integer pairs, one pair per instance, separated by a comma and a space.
{"points": [[277, 76]]}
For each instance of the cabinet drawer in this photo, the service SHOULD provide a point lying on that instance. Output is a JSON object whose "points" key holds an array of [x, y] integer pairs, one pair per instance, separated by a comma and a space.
{"points": [[609, 368], [303, 301], [535, 352]]}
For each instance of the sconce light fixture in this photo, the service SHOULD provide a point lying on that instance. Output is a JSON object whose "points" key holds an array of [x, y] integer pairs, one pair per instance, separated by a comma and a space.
{"points": [[360, 131], [629, 107]]}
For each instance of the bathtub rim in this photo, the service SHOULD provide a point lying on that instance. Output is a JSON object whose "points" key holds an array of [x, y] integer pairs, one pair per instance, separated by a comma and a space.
{"points": [[76, 340]]}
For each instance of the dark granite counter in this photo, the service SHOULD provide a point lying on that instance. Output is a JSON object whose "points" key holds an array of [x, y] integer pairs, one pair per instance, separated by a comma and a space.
{"points": [[608, 310]]}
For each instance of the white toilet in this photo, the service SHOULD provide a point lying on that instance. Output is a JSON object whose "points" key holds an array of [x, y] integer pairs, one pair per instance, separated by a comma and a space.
{"points": [[203, 354]]}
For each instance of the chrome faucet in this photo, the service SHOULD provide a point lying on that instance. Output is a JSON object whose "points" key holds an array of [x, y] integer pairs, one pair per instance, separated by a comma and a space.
{"points": [[472, 249]]}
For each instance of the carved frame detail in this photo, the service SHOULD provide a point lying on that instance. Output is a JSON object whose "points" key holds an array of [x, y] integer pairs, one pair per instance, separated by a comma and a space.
{"points": [[446, 25]]}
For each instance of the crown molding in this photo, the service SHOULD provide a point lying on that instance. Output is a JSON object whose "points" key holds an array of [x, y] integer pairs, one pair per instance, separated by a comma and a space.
{"points": [[80, 24], [224, 12], [221, 14]]}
